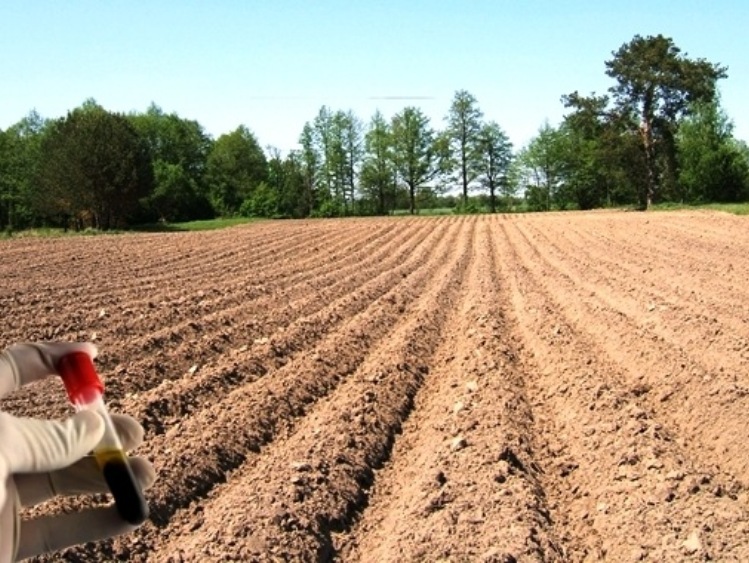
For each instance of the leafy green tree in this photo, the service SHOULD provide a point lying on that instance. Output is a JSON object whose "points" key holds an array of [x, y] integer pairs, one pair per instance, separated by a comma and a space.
{"points": [[516, 182], [657, 83], [20, 156], [378, 179], [6, 183], [605, 160], [324, 155], [330, 158], [542, 168], [414, 152], [179, 150], [443, 162], [236, 165], [494, 152], [263, 202], [287, 180], [589, 151], [94, 171], [309, 160], [336, 140], [712, 164], [350, 129], [464, 122]]}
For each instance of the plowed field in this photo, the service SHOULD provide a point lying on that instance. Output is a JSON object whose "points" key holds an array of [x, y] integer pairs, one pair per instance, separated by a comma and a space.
{"points": [[559, 387]]}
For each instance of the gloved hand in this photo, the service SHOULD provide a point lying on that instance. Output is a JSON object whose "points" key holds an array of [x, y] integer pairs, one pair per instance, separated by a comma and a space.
{"points": [[40, 459]]}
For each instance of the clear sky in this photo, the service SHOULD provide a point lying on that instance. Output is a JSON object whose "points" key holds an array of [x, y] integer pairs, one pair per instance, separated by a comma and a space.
{"points": [[271, 65]]}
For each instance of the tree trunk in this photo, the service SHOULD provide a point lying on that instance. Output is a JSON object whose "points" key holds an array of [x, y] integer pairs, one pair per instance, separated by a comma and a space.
{"points": [[647, 142], [670, 179], [646, 131], [465, 179]]}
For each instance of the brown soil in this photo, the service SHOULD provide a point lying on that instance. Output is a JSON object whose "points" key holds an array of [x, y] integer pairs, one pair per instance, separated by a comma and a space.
{"points": [[559, 387]]}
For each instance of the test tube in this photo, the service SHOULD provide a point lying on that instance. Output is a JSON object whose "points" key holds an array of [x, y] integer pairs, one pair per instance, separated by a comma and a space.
{"points": [[85, 390]]}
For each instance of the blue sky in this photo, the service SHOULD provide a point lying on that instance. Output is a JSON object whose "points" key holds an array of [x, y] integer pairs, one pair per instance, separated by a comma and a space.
{"points": [[271, 65]]}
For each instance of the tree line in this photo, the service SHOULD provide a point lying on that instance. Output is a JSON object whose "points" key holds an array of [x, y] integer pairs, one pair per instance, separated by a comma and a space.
{"points": [[659, 134]]}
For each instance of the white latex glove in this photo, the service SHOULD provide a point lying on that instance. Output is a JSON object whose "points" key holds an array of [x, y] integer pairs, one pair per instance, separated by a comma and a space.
{"points": [[40, 459]]}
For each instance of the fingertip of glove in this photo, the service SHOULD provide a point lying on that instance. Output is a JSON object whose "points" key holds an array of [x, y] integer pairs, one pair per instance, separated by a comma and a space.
{"points": [[89, 422], [144, 471], [131, 431]]}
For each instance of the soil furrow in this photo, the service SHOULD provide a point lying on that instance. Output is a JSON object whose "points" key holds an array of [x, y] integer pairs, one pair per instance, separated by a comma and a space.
{"points": [[672, 286], [238, 273], [172, 346], [272, 404], [658, 314], [294, 296], [466, 450], [529, 387], [612, 454], [672, 261], [332, 306], [705, 230], [319, 484], [711, 385]]}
